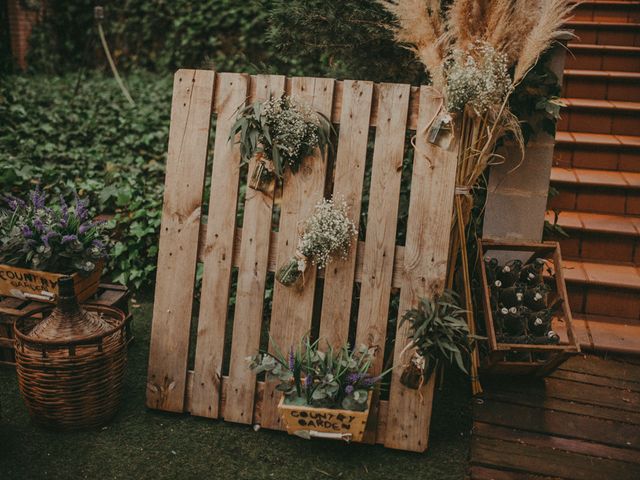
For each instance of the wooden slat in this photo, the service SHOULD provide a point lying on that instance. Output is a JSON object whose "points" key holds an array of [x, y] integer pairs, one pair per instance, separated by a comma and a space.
{"points": [[252, 272], [348, 183], [292, 307], [380, 247], [425, 260], [185, 173], [398, 256], [548, 461], [593, 394], [611, 367], [231, 92]]}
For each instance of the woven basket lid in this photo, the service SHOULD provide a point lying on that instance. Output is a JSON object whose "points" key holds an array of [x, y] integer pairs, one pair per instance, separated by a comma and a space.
{"points": [[68, 321]]}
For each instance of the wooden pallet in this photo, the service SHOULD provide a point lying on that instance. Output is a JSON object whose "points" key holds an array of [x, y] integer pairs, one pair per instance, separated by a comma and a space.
{"points": [[417, 268], [12, 308], [582, 422]]}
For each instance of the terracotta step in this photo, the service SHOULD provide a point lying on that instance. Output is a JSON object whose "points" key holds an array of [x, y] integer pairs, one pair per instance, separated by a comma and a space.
{"points": [[597, 151], [595, 178], [603, 57], [599, 237], [603, 288], [600, 116], [602, 85], [606, 33], [603, 333], [609, 11]]}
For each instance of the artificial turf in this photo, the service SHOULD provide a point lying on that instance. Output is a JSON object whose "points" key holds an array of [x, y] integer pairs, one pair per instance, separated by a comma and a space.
{"points": [[141, 443]]}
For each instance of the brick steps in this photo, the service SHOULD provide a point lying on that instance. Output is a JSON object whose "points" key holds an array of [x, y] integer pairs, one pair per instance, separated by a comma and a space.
{"points": [[604, 333], [603, 57], [606, 33], [597, 151], [600, 116], [602, 85], [603, 288], [599, 237], [608, 11]]}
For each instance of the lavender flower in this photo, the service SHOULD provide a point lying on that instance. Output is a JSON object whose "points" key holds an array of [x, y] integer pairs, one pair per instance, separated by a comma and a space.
{"points": [[82, 212], [47, 237], [64, 213], [291, 360], [85, 227], [353, 378], [370, 381], [69, 238], [308, 381], [349, 389], [38, 224], [26, 231], [38, 199], [14, 202]]}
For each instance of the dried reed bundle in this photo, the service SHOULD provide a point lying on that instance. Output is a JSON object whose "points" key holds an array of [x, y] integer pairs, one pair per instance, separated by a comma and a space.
{"points": [[484, 49]]}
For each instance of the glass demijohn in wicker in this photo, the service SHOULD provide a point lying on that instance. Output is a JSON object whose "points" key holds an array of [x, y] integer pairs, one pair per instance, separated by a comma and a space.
{"points": [[71, 364]]}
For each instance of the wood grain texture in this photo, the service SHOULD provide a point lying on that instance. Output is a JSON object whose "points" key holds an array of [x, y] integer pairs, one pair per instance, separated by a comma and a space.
{"points": [[231, 92], [425, 260], [293, 307], [348, 183], [188, 143], [253, 261]]}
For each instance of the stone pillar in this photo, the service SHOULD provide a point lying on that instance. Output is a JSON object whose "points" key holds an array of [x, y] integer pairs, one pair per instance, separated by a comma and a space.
{"points": [[22, 17], [517, 195]]}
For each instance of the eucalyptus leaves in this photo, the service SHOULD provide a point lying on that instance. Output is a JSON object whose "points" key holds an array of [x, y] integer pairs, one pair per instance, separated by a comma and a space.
{"points": [[440, 334], [326, 379], [283, 130], [326, 234]]}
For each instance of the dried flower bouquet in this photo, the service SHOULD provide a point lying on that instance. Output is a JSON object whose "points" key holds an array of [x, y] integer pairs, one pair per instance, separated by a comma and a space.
{"points": [[476, 52], [281, 132], [326, 234]]}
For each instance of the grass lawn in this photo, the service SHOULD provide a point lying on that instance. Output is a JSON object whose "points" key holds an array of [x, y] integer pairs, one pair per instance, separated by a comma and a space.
{"points": [[143, 444]]}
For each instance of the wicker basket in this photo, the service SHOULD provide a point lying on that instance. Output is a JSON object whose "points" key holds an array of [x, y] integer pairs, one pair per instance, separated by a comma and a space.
{"points": [[71, 365]]}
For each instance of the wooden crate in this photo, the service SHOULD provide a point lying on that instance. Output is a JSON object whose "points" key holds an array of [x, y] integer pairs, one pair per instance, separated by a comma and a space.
{"points": [[12, 308], [28, 284], [498, 358], [378, 265], [348, 424]]}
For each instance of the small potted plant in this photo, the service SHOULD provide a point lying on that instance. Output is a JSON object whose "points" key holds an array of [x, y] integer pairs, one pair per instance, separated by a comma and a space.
{"points": [[326, 393], [40, 243], [327, 234], [440, 335], [280, 133]]}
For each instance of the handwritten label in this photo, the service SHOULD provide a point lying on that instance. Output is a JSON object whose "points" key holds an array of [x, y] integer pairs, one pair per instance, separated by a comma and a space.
{"points": [[330, 421]]}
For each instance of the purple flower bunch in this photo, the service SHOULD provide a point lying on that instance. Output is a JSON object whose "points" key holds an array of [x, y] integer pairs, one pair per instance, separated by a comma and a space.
{"points": [[58, 237]]}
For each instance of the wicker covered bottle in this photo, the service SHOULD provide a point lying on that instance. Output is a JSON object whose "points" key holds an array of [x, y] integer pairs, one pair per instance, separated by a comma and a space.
{"points": [[71, 365]]}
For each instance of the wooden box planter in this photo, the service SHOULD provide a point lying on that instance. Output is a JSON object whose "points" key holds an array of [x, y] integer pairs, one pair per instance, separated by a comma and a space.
{"points": [[527, 359], [348, 425], [12, 308], [27, 284]]}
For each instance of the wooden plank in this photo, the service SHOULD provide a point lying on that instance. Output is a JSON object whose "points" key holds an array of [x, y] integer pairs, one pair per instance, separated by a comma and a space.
{"points": [[477, 472], [184, 184], [547, 461], [231, 92], [380, 247], [350, 163], [558, 423], [252, 274], [593, 394], [596, 380], [560, 443], [292, 307], [425, 261], [609, 367], [398, 257]]}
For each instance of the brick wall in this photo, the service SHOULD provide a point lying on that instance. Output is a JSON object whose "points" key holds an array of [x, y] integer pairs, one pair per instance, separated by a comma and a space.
{"points": [[21, 21]]}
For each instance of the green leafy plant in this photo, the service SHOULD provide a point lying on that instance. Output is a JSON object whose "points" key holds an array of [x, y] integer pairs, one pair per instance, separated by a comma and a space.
{"points": [[439, 332], [328, 379], [60, 238], [284, 130]]}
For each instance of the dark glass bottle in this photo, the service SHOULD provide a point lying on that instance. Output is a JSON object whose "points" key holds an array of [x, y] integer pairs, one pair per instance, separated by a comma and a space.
{"points": [[536, 297], [510, 273], [532, 272], [512, 296], [491, 269]]}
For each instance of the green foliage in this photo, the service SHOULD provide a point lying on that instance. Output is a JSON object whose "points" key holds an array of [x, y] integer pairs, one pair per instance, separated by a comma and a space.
{"points": [[439, 330], [72, 133], [322, 378], [161, 35]]}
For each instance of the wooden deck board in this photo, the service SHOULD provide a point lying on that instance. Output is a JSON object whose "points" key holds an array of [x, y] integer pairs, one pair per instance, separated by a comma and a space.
{"points": [[583, 422]]}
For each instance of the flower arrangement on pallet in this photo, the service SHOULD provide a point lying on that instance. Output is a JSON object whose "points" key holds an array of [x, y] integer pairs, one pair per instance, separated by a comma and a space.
{"points": [[476, 53], [440, 334], [40, 242], [326, 393], [325, 235], [281, 133]]}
